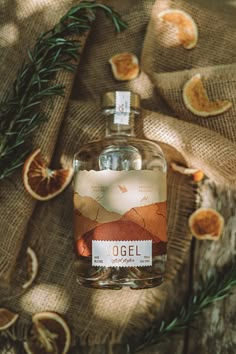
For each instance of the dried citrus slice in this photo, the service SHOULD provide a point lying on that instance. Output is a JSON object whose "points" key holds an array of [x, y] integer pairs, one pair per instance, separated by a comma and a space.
{"points": [[183, 170], [197, 101], [32, 267], [41, 182], [197, 174], [125, 66], [7, 318], [182, 25], [206, 224], [49, 334]]}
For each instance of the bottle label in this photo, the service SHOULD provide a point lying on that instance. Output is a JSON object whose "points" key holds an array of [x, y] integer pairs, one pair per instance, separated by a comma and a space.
{"points": [[126, 208], [122, 107], [122, 253]]}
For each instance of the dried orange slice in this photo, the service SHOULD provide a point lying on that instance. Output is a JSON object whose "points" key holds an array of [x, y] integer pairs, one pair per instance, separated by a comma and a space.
{"points": [[7, 318], [182, 25], [206, 224], [32, 267], [197, 101], [197, 174], [41, 182], [125, 66], [49, 334]]}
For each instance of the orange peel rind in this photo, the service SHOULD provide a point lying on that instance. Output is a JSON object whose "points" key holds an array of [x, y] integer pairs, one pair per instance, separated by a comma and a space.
{"points": [[206, 224], [197, 101], [183, 25], [32, 266], [125, 66], [198, 176]]}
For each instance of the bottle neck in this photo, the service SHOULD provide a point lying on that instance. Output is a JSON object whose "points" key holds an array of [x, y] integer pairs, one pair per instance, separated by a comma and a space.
{"points": [[117, 129]]}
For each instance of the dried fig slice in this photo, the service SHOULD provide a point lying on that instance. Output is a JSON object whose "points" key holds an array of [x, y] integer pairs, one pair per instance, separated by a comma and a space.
{"points": [[197, 101], [206, 224], [125, 66], [180, 24]]}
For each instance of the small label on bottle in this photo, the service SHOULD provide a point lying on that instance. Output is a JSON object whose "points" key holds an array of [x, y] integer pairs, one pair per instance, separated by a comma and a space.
{"points": [[122, 253], [122, 107]]}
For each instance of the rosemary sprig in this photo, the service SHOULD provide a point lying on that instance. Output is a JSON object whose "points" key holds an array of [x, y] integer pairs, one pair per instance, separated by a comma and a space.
{"points": [[217, 287], [7, 344], [54, 50], [13, 338]]}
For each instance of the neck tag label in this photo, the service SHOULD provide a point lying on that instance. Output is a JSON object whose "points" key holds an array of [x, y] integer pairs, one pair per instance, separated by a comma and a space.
{"points": [[122, 107]]}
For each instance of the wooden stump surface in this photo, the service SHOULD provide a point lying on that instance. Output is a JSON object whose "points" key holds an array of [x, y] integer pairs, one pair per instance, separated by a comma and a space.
{"points": [[214, 330]]}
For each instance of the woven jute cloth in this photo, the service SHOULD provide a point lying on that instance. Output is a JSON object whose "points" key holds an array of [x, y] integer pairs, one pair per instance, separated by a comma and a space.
{"points": [[206, 143]]}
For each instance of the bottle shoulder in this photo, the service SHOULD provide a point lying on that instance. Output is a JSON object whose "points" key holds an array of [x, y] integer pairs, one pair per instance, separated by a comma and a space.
{"points": [[120, 154], [143, 145]]}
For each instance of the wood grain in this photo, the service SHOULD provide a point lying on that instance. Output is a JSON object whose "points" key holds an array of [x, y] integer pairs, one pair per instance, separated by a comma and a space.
{"points": [[214, 331], [215, 328]]}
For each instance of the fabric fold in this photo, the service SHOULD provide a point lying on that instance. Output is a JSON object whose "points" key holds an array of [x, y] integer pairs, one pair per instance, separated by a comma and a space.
{"points": [[75, 119], [16, 205], [200, 147], [207, 143]]}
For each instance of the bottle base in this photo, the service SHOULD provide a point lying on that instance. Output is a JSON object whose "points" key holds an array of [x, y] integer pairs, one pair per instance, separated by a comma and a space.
{"points": [[115, 278], [112, 285]]}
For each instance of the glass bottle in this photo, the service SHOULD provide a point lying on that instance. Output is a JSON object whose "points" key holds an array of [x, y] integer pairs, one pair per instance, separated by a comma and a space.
{"points": [[120, 203]]}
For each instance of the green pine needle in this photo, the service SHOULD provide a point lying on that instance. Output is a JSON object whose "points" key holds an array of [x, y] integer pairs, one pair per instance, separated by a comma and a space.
{"points": [[54, 51], [13, 338]]}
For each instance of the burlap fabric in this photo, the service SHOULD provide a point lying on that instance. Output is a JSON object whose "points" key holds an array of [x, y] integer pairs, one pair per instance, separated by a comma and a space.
{"points": [[209, 143], [97, 316]]}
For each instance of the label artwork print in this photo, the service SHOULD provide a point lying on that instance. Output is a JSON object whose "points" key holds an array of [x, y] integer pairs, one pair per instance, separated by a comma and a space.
{"points": [[120, 217]]}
